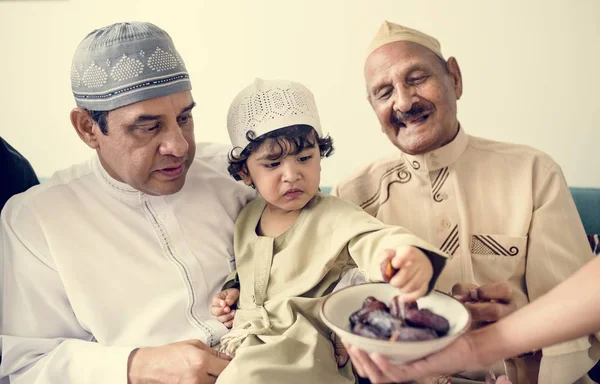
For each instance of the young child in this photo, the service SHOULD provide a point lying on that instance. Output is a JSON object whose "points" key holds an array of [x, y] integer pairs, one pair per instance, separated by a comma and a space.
{"points": [[293, 244]]}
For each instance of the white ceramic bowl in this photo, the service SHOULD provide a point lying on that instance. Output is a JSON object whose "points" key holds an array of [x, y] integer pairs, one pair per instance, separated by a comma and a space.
{"points": [[337, 308]]}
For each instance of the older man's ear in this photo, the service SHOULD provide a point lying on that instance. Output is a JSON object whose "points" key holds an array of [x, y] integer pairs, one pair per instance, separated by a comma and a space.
{"points": [[454, 71]]}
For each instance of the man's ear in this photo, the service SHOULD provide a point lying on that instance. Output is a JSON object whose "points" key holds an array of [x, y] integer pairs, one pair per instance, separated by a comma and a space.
{"points": [[245, 175], [85, 126], [454, 71]]}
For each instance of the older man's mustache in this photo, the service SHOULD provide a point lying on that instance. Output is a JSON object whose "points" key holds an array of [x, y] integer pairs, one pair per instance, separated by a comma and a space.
{"points": [[416, 111]]}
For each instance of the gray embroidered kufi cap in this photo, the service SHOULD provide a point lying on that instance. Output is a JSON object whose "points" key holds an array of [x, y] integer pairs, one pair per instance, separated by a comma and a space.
{"points": [[124, 63]]}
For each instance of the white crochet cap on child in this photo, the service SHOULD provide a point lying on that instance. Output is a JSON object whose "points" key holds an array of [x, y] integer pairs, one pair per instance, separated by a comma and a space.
{"points": [[267, 105]]}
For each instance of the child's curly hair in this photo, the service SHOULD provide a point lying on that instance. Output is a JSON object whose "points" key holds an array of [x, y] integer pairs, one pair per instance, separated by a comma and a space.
{"points": [[282, 142]]}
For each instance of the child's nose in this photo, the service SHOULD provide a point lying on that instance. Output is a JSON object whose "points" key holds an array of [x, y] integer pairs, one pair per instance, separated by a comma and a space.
{"points": [[291, 174]]}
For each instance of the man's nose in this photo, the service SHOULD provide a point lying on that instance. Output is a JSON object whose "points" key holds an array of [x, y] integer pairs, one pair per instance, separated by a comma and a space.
{"points": [[404, 98], [173, 142]]}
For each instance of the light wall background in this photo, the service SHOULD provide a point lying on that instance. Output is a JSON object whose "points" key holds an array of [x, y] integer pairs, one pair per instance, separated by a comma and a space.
{"points": [[531, 69]]}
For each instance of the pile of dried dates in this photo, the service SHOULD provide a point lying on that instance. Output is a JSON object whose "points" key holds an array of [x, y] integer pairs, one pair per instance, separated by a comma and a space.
{"points": [[398, 322]]}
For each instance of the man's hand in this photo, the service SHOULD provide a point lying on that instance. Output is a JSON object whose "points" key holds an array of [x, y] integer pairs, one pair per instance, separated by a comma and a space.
{"points": [[487, 303], [186, 362], [221, 306], [414, 271]]}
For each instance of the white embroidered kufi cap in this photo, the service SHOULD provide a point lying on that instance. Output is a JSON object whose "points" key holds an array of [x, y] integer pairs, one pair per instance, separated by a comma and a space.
{"points": [[125, 63], [268, 105]]}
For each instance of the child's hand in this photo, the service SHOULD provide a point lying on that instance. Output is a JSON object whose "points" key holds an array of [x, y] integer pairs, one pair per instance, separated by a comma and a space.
{"points": [[414, 271], [221, 306]]}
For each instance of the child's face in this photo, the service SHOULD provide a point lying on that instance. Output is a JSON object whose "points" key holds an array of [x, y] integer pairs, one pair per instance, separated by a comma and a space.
{"points": [[287, 183]]}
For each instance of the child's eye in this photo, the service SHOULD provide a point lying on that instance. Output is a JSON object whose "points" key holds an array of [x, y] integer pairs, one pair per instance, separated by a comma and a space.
{"points": [[304, 159], [272, 165]]}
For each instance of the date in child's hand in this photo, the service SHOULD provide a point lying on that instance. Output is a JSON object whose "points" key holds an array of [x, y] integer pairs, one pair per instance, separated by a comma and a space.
{"points": [[221, 306], [409, 269]]}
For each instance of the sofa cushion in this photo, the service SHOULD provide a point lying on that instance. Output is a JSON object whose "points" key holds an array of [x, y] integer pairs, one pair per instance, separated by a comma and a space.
{"points": [[587, 201]]}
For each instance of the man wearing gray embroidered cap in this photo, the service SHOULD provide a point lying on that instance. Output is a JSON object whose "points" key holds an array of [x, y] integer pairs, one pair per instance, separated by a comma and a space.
{"points": [[502, 211], [110, 265]]}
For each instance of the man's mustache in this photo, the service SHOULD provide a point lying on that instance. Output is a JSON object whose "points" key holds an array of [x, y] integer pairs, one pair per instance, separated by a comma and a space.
{"points": [[416, 110]]}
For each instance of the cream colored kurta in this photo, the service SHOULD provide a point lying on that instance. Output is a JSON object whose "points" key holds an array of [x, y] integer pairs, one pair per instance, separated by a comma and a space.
{"points": [[503, 211], [283, 282]]}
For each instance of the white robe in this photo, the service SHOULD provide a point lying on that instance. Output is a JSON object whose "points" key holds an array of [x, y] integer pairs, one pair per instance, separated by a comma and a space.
{"points": [[94, 269]]}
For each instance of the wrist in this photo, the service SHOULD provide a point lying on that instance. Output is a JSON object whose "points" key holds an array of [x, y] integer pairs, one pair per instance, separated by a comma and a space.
{"points": [[484, 347], [133, 376]]}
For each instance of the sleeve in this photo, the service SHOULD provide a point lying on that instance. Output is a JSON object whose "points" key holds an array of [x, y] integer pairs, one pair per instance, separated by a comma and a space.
{"points": [[557, 245], [358, 191], [367, 237], [43, 341], [231, 281]]}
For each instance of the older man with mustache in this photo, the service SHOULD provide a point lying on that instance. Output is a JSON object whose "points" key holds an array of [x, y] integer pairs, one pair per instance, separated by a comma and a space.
{"points": [[503, 212]]}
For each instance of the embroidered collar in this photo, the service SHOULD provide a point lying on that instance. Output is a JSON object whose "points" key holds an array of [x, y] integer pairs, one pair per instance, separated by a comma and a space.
{"points": [[120, 190], [441, 157]]}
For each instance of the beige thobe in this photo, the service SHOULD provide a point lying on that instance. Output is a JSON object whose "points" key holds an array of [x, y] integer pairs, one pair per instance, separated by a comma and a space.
{"points": [[503, 211], [283, 282]]}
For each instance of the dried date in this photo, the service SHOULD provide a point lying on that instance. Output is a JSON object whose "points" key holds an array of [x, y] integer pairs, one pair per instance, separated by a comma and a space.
{"points": [[370, 304], [373, 303], [383, 322], [387, 270], [424, 318]]}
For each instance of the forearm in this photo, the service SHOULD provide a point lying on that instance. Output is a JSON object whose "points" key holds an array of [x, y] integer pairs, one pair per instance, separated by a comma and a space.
{"points": [[569, 311], [63, 361]]}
